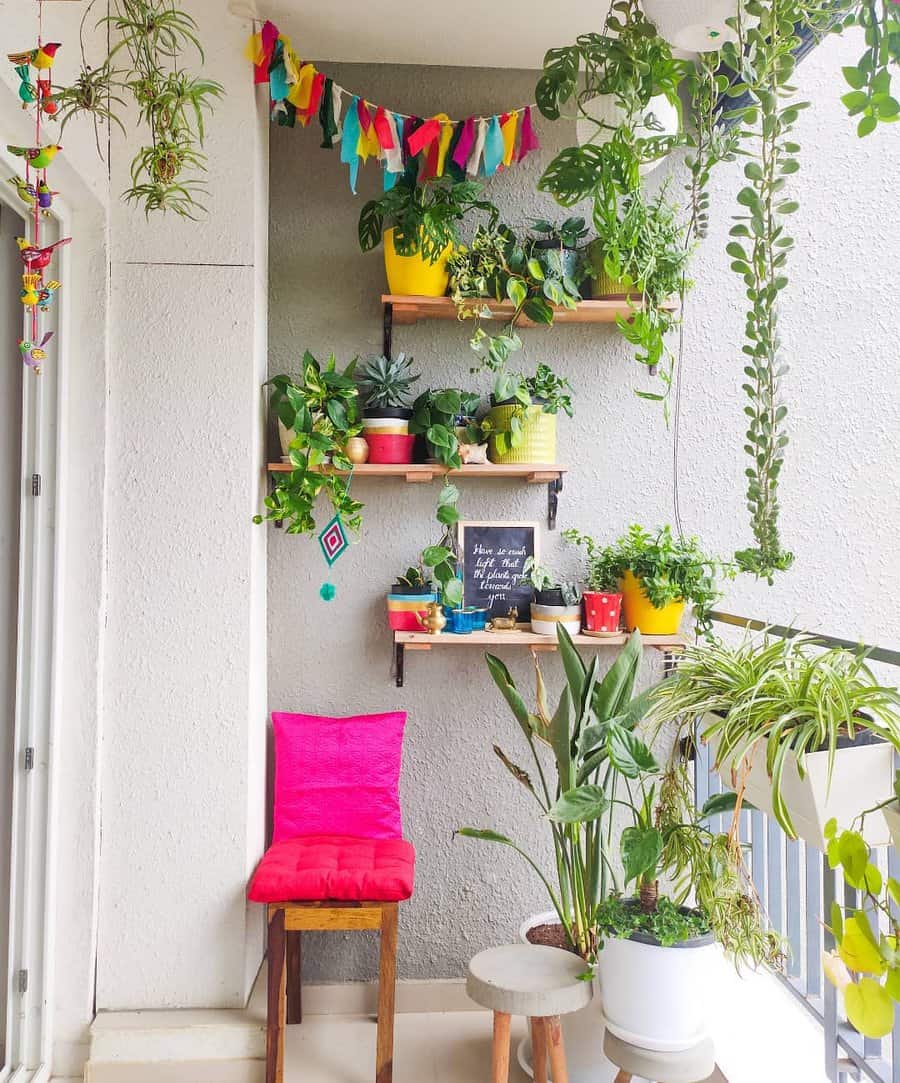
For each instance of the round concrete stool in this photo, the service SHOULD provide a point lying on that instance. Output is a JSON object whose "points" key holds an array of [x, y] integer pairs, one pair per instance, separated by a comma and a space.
{"points": [[695, 1065], [539, 982]]}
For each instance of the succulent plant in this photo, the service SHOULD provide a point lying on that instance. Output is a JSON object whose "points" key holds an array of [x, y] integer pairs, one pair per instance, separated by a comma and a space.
{"points": [[386, 381]]}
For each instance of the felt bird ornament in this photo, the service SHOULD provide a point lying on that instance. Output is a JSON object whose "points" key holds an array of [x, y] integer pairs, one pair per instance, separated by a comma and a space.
{"points": [[45, 196], [26, 191], [31, 287], [36, 157], [40, 58], [27, 89], [47, 294], [34, 353], [36, 259], [47, 101]]}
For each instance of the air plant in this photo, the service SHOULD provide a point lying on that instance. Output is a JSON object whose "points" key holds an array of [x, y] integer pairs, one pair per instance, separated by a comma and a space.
{"points": [[153, 35]]}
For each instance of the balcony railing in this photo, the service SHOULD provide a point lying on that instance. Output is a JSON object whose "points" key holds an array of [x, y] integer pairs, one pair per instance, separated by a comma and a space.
{"points": [[796, 887]]}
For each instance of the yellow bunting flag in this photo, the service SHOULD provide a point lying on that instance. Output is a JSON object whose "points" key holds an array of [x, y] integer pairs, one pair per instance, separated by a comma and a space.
{"points": [[508, 130]]}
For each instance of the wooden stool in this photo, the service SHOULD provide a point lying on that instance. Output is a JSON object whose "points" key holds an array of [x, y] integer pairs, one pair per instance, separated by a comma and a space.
{"points": [[539, 982], [286, 923], [695, 1065]]}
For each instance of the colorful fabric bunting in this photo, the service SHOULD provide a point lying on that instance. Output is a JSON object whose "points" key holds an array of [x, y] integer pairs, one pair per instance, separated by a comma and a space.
{"points": [[430, 147]]}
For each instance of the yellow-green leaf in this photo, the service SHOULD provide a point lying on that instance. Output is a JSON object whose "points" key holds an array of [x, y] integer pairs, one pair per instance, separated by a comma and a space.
{"points": [[858, 951], [869, 1008], [830, 828], [893, 887], [892, 984]]}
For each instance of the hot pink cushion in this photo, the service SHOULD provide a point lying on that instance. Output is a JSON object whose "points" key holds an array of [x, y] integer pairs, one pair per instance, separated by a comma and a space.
{"points": [[319, 867], [338, 776]]}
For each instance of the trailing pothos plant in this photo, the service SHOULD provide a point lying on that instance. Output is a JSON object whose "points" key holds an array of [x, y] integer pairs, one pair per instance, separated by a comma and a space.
{"points": [[147, 42], [320, 410], [442, 559]]}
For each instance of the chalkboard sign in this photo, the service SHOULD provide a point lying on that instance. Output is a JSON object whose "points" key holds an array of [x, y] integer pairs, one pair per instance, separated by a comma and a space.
{"points": [[493, 556]]}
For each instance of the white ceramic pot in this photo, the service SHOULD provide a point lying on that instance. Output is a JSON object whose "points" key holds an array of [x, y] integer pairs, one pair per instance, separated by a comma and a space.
{"points": [[863, 776], [604, 114], [285, 436], [582, 1031], [545, 619], [654, 997]]}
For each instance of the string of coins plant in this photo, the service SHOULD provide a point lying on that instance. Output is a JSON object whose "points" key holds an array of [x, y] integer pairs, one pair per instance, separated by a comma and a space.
{"points": [[144, 60]]}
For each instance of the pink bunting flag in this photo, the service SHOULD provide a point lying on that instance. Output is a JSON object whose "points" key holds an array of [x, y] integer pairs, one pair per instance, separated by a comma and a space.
{"points": [[464, 146], [424, 136], [528, 141]]}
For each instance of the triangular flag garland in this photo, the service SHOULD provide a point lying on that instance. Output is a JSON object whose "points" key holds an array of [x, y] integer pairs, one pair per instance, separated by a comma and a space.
{"points": [[427, 147]]}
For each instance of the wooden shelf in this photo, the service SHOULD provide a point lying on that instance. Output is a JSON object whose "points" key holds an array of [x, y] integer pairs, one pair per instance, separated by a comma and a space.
{"points": [[423, 641], [534, 473], [411, 309]]}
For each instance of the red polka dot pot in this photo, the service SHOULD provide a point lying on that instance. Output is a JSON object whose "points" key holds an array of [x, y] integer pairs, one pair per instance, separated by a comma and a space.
{"points": [[602, 612]]}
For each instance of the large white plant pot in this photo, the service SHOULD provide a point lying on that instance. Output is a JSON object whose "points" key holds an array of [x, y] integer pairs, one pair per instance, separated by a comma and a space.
{"points": [[862, 777], [582, 1031], [656, 997], [605, 110]]}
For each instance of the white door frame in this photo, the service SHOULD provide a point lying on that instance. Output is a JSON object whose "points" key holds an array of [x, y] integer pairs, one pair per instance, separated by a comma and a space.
{"points": [[29, 1031]]}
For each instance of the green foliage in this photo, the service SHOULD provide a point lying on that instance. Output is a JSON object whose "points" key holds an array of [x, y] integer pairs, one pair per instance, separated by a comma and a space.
{"points": [[413, 577], [147, 40], [869, 97], [385, 381], [436, 413], [670, 569], [425, 217], [540, 578], [442, 559], [497, 265], [870, 954], [567, 234], [781, 692], [669, 924], [321, 408]]}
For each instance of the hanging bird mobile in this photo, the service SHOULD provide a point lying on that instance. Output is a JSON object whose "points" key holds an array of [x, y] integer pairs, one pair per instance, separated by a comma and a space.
{"points": [[35, 192]]}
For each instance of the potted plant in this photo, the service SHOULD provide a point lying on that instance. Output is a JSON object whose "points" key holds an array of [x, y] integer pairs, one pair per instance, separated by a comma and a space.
{"points": [[384, 386], [869, 953], [602, 599], [585, 755], [523, 416], [555, 602], [425, 227], [317, 414], [563, 239], [438, 415], [408, 597], [658, 575], [808, 735]]}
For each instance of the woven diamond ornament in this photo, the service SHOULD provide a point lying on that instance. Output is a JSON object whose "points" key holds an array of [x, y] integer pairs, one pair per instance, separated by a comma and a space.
{"points": [[333, 540]]}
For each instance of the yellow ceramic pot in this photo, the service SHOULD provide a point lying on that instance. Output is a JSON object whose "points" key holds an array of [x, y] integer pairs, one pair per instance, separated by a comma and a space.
{"points": [[538, 436], [414, 275], [641, 613]]}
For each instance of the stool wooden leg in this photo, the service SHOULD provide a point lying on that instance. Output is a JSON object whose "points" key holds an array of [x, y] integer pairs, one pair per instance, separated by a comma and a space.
{"points": [[500, 1050], [387, 979], [539, 1049], [557, 1051], [294, 978], [276, 999], [623, 1077]]}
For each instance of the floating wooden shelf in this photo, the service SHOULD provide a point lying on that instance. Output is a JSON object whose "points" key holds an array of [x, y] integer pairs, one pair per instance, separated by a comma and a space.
{"points": [[411, 309], [423, 641], [549, 474], [412, 472]]}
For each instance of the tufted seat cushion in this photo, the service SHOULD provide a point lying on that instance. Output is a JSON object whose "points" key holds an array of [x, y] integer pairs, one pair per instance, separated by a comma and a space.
{"points": [[337, 867]]}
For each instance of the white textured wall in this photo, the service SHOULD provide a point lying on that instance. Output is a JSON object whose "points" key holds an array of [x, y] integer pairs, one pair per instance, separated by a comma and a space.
{"points": [[839, 489], [184, 678]]}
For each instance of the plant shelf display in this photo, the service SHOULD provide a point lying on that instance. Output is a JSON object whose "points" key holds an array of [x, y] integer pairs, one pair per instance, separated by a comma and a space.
{"points": [[549, 474], [411, 309], [424, 641]]}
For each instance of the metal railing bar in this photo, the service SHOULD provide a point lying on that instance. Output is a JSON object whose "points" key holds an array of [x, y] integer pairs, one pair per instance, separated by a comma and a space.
{"points": [[813, 928], [875, 653], [793, 908]]}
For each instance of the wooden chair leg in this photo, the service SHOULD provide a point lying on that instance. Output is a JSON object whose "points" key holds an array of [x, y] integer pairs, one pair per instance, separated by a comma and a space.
{"points": [[294, 978], [276, 1000], [539, 1049], [387, 980], [500, 1049], [623, 1077], [558, 1068]]}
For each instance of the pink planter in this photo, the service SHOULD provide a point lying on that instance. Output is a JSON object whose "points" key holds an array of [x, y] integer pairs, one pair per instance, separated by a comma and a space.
{"points": [[602, 612], [390, 449]]}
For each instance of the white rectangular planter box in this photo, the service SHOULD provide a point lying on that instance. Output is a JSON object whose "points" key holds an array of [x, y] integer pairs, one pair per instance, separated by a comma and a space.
{"points": [[862, 777]]}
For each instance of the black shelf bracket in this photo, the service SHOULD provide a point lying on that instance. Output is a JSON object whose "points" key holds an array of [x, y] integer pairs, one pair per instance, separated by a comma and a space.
{"points": [[387, 330], [399, 654], [554, 488]]}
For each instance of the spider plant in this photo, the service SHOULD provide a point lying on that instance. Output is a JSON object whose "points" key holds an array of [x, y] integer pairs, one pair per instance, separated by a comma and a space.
{"points": [[153, 35], [782, 692]]}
